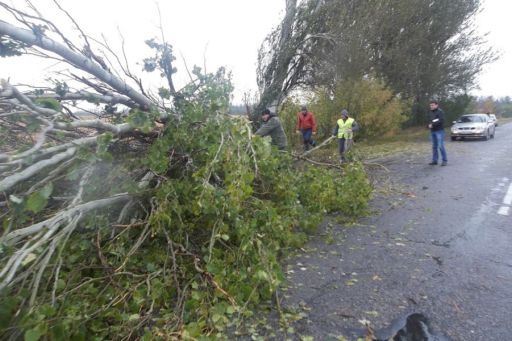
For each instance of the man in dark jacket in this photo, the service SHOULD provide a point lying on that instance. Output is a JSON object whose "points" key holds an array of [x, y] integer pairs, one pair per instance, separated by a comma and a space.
{"points": [[272, 127], [436, 126]]}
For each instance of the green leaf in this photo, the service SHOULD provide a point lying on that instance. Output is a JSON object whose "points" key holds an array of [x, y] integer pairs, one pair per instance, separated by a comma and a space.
{"points": [[133, 317], [49, 103], [141, 120], [148, 336], [37, 201], [7, 310], [33, 126], [72, 175], [34, 334], [102, 146], [47, 190], [262, 275], [164, 93], [214, 268], [30, 258]]}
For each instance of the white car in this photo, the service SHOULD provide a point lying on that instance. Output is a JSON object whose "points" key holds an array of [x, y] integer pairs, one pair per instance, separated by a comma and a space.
{"points": [[473, 126]]}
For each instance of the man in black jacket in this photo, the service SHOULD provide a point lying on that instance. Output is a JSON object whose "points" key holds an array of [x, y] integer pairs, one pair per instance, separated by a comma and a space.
{"points": [[436, 126]]}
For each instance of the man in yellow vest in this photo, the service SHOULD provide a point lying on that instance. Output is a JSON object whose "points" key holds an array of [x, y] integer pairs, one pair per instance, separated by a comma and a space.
{"points": [[344, 131]]}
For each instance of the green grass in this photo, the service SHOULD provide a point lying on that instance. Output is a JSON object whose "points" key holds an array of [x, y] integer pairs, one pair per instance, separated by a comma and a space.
{"points": [[408, 140], [503, 119]]}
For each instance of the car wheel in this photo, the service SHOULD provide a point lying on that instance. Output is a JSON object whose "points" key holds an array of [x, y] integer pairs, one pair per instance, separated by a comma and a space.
{"points": [[453, 138], [486, 137]]}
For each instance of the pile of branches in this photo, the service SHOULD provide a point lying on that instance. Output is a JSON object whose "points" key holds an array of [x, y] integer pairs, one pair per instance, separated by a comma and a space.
{"points": [[70, 149], [50, 136], [129, 213]]}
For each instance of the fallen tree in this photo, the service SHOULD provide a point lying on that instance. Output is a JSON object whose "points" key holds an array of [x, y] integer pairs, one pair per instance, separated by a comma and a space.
{"points": [[136, 213]]}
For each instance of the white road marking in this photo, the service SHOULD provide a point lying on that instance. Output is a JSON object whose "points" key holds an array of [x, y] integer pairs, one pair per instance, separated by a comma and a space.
{"points": [[508, 197], [504, 210]]}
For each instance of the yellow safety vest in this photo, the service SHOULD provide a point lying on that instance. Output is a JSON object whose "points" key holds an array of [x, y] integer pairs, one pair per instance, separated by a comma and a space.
{"points": [[343, 127]]}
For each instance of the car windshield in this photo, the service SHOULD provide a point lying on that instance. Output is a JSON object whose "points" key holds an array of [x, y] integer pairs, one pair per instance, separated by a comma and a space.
{"points": [[470, 118]]}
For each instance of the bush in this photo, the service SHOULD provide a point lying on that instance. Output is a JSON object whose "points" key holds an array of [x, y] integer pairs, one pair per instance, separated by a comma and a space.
{"points": [[374, 106]]}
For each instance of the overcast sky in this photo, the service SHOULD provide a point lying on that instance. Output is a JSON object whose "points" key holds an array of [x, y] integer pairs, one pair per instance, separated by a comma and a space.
{"points": [[495, 20], [225, 33]]}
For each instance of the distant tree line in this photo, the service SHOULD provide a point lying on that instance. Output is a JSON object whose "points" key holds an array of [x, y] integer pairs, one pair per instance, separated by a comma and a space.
{"points": [[501, 106], [419, 49]]}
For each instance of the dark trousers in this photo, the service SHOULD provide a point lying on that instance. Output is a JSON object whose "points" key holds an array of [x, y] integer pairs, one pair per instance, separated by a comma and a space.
{"points": [[344, 145], [307, 137]]}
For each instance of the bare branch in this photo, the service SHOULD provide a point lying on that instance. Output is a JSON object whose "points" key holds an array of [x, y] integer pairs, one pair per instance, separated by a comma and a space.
{"points": [[20, 15], [83, 95], [168, 68], [7, 183], [74, 22], [319, 146], [45, 230], [11, 91], [76, 59], [96, 124]]}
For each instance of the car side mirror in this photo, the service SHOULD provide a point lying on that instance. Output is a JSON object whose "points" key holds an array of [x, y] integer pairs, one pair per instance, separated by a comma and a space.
{"points": [[454, 122]]}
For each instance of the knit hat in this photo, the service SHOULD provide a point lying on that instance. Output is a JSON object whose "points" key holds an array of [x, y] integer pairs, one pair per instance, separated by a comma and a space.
{"points": [[265, 112], [344, 113]]}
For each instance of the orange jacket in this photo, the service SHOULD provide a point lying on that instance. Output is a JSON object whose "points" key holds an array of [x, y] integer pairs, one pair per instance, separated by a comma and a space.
{"points": [[305, 121]]}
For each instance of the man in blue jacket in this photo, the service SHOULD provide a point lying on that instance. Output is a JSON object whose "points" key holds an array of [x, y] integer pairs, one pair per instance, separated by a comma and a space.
{"points": [[436, 126]]}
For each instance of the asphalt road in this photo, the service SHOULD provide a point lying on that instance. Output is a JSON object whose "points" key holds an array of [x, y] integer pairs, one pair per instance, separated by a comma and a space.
{"points": [[439, 243]]}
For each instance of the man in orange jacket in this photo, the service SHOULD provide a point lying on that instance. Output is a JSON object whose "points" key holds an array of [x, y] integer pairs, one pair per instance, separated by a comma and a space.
{"points": [[306, 124]]}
